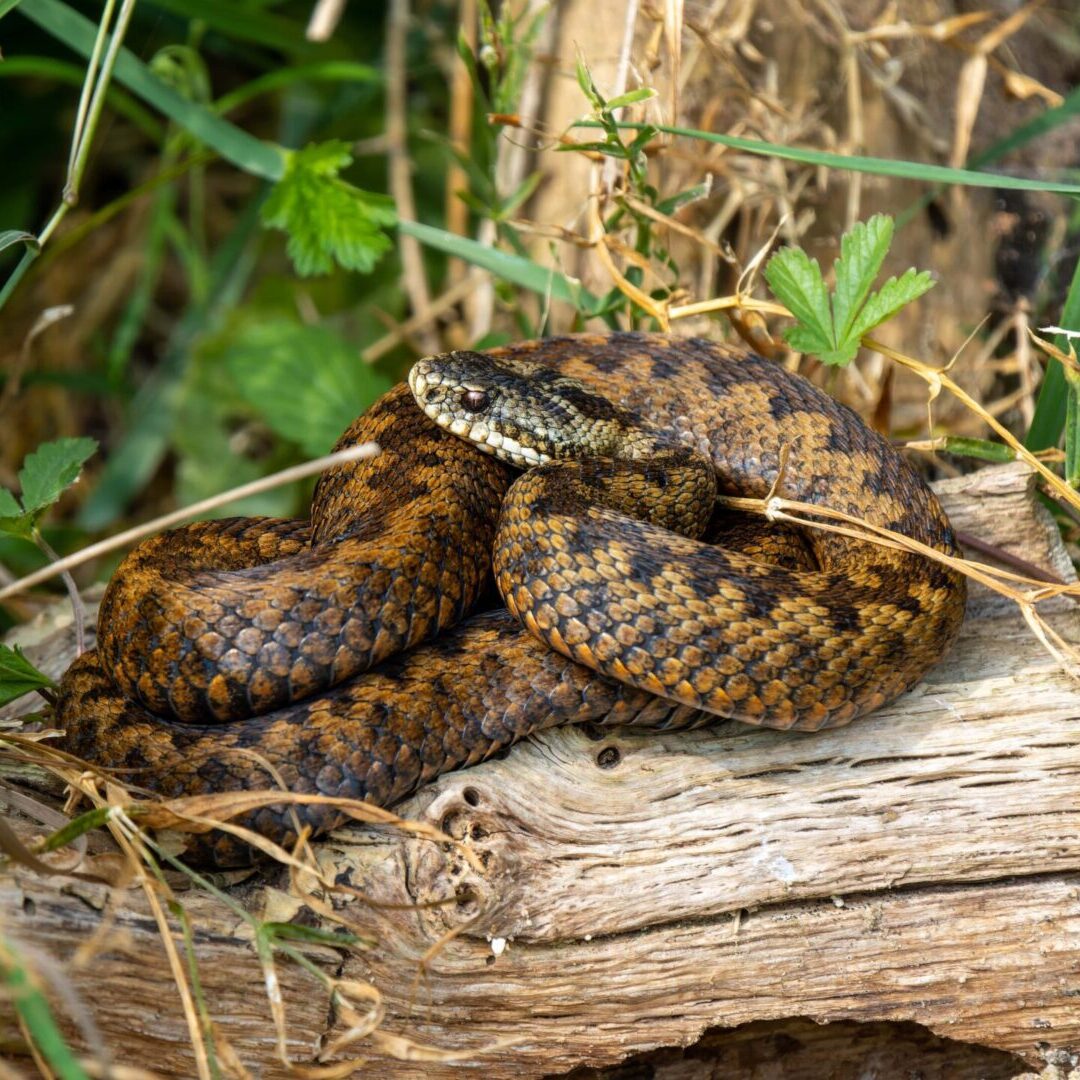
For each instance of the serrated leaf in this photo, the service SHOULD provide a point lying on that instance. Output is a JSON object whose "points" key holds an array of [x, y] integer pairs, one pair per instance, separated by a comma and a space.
{"points": [[796, 280], [308, 383], [18, 676], [51, 468], [807, 339], [9, 505], [862, 251], [841, 356], [327, 219], [890, 298]]}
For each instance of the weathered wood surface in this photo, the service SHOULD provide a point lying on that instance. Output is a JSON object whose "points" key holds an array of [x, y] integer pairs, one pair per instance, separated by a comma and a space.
{"points": [[922, 865]]}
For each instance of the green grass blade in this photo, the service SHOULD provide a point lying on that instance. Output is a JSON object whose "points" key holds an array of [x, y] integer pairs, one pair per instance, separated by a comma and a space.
{"points": [[30, 1004], [513, 268], [1050, 409], [8, 5], [983, 449], [17, 236], [1035, 127], [232, 143], [1072, 432], [904, 170]]}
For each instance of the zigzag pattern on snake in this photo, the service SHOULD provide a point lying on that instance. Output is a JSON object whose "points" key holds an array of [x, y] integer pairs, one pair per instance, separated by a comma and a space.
{"points": [[342, 654]]}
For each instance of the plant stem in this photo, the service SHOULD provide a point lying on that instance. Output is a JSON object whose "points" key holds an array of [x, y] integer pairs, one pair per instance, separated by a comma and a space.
{"points": [[77, 608], [91, 102]]}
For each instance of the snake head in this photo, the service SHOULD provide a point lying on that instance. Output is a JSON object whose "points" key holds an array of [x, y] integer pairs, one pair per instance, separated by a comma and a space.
{"points": [[526, 414]]}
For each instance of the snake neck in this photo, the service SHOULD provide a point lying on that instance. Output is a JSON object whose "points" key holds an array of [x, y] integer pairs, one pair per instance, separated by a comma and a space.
{"points": [[672, 487]]}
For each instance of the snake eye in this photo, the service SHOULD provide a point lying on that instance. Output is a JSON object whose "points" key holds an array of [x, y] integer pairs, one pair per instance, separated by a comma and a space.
{"points": [[474, 400]]}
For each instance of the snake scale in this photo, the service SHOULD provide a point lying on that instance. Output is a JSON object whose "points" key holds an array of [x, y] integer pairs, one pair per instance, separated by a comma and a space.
{"points": [[340, 656]]}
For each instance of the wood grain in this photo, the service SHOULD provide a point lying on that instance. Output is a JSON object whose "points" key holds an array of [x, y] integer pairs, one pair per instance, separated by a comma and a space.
{"points": [[920, 866]]}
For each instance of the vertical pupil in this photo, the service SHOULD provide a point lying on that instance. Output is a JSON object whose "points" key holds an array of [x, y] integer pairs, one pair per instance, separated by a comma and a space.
{"points": [[474, 400]]}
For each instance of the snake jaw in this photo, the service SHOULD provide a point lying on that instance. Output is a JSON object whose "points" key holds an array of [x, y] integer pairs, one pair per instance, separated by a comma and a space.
{"points": [[440, 396]]}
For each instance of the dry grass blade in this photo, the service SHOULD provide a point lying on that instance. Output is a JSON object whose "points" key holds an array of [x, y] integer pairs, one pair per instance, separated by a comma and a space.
{"points": [[626, 287], [127, 837], [937, 379]]}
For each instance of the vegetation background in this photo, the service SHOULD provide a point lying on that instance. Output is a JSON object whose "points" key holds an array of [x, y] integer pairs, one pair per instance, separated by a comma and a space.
{"points": [[280, 205]]}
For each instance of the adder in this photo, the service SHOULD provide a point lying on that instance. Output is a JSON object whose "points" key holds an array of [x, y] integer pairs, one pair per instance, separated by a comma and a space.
{"points": [[345, 657]]}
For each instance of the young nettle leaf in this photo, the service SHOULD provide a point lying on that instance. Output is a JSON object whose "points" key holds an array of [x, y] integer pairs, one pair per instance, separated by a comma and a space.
{"points": [[796, 279], [890, 298], [50, 469], [834, 331], [45, 474], [862, 253], [18, 676], [327, 219]]}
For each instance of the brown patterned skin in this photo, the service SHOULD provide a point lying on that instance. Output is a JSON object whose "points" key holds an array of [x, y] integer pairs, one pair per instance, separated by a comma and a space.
{"points": [[797, 631], [706, 627], [222, 620]]}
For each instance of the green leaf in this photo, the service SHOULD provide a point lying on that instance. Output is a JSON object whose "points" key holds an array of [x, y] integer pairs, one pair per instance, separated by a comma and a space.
{"points": [[9, 505], [17, 236], [905, 170], [312, 935], [327, 219], [18, 676], [983, 449], [588, 87], [77, 827], [515, 269], [1053, 407], [631, 97], [796, 279], [889, 299], [684, 198], [862, 252], [807, 339], [22, 991], [308, 383], [51, 468]]}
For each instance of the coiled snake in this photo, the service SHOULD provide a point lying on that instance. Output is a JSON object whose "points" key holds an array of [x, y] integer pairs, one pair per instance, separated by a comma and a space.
{"points": [[342, 654]]}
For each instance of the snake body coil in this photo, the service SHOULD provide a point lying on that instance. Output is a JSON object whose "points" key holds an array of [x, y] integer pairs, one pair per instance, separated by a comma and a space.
{"points": [[625, 621]]}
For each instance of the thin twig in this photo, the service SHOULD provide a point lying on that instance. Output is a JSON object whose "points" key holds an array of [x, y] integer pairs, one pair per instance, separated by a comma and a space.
{"points": [[265, 483], [459, 133], [610, 171], [457, 292], [324, 19], [937, 379], [397, 131], [78, 609], [994, 552]]}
